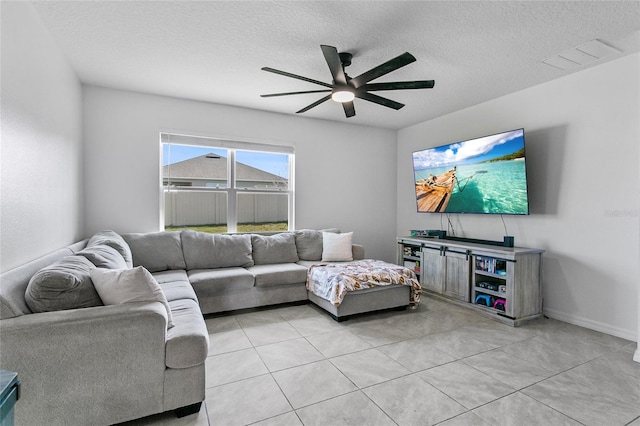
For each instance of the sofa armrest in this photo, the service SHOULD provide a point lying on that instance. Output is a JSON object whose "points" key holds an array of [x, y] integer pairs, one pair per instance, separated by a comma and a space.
{"points": [[358, 251], [97, 365]]}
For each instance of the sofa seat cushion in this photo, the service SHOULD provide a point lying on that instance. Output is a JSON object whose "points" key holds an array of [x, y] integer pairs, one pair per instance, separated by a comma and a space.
{"points": [[156, 251], [170, 276], [175, 285], [309, 263], [278, 274], [187, 342], [176, 290], [223, 280]]}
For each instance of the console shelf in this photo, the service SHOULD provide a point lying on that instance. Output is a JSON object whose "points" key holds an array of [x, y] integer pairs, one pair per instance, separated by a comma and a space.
{"points": [[503, 283], [411, 257]]}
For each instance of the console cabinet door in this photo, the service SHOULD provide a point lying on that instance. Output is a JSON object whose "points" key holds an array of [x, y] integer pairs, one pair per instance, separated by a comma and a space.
{"points": [[433, 270], [457, 276]]}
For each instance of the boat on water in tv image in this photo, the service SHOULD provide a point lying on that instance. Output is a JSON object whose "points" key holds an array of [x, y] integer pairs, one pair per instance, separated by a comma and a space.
{"points": [[433, 192], [482, 175]]}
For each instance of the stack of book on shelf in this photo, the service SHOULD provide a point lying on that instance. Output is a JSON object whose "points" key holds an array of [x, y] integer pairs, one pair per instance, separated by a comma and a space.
{"points": [[493, 266]]}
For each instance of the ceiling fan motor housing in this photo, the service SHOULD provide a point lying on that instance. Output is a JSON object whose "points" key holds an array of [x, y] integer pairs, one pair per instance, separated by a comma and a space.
{"points": [[345, 58]]}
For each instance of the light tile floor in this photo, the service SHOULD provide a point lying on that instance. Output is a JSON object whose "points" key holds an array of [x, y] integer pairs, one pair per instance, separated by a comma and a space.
{"points": [[439, 364]]}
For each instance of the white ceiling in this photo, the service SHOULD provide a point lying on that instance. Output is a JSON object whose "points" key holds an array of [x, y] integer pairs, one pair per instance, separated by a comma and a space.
{"points": [[213, 50]]}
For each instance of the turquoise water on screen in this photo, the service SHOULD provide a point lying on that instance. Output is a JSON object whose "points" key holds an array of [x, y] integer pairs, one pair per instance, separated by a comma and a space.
{"points": [[497, 187]]}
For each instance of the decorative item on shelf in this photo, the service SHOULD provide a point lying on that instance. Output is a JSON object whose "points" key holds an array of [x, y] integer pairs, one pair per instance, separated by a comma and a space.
{"points": [[485, 300], [500, 304], [425, 233], [502, 288], [487, 285], [508, 241]]}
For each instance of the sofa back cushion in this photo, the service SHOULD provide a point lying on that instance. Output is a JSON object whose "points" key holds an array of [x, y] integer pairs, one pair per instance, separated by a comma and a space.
{"points": [[278, 248], [115, 241], [309, 243], [65, 284], [13, 283], [156, 251], [210, 251], [103, 256]]}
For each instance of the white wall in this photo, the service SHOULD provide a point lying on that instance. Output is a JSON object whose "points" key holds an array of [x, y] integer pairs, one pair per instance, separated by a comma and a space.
{"points": [[344, 174], [581, 136], [636, 355], [41, 151]]}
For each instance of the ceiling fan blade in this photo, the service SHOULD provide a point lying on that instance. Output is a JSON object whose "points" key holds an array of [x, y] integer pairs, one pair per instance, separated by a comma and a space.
{"points": [[399, 85], [391, 65], [379, 100], [349, 109], [294, 93], [299, 77], [315, 104], [335, 65]]}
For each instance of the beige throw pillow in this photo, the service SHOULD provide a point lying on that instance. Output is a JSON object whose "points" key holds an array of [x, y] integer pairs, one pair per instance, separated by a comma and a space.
{"points": [[337, 247], [117, 286]]}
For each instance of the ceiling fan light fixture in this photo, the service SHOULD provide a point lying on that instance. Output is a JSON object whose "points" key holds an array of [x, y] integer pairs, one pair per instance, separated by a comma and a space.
{"points": [[343, 95]]}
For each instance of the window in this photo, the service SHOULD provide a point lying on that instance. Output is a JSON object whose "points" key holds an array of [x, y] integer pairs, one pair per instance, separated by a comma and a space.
{"points": [[216, 186]]}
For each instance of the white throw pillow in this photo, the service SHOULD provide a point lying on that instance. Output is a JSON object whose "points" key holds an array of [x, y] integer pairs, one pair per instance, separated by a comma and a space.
{"points": [[117, 286], [337, 247]]}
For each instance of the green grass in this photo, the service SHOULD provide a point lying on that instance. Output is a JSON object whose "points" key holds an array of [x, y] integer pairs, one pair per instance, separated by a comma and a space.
{"points": [[242, 227]]}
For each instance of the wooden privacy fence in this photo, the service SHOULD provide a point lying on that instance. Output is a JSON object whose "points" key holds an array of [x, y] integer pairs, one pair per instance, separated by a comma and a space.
{"points": [[210, 208]]}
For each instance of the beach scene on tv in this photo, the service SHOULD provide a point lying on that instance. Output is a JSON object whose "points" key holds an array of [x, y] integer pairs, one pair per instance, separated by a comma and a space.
{"points": [[483, 175]]}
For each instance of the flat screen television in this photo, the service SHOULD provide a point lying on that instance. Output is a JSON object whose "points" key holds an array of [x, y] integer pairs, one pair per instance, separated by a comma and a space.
{"points": [[481, 175]]}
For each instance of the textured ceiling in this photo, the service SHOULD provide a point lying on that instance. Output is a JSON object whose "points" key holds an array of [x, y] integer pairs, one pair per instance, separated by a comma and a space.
{"points": [[213, 50]]}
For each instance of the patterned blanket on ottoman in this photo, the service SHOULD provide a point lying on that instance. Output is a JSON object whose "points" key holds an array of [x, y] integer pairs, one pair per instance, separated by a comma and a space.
{"points": [[333, 281]]}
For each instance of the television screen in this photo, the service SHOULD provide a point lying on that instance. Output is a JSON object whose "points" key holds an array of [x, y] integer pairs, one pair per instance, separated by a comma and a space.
{"points": [[482, 175]]}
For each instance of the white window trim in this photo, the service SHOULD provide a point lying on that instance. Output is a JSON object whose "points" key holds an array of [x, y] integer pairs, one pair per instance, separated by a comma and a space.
{"points": [[232, 191]]}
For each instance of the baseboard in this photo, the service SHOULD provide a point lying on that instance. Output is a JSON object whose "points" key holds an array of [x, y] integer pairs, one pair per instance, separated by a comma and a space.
{"points": [[593, 325]]}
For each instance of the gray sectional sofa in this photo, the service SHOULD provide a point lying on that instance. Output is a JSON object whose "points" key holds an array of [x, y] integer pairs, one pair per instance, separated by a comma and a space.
{"points": [[81, 362]]}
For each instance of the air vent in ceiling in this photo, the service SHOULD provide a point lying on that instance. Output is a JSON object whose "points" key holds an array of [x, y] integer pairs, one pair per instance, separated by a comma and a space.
{"points": [[581, 55]]}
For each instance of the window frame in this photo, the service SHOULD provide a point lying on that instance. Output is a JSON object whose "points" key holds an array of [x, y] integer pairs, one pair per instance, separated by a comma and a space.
{"points": [[232, 189]]}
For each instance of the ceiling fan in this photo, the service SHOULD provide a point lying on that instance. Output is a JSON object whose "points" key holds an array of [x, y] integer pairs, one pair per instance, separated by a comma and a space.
{"points": [[344, 88]]}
